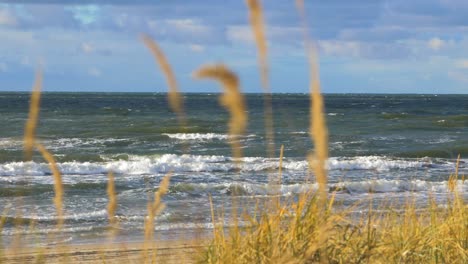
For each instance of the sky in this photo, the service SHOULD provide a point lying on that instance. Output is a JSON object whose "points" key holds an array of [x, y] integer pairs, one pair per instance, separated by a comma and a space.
{"points": [[364, 46]]}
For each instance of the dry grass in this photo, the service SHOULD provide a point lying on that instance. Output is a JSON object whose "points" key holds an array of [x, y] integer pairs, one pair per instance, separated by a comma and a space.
{"points": [[176, 102], [31, 124], [258, 28], [301, 232], [58, 185], [156, 207], [112, 204], [232, 100], [318, 130], [257, 24], [308, 228]]}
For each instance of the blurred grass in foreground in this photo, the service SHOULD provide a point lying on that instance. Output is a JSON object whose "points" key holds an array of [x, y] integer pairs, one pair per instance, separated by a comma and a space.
{"points": [[304, 229]]}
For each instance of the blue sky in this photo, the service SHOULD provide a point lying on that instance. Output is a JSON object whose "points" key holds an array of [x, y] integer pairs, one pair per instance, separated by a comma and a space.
{"points": [[373, 46]]}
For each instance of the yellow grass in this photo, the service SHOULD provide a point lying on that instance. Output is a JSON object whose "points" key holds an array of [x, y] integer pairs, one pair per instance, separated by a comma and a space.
{"points": [[112, 204], [318, 127], [156, 207], [31, 124], [318, 130], [176, 102], [308, 228], [232, 100], [58, 185], [257, 24]]}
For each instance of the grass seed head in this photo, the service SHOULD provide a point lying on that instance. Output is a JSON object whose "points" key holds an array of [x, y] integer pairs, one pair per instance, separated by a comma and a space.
{"points": [[31, 123], [58, 185], [174, 97], [231, 99]]}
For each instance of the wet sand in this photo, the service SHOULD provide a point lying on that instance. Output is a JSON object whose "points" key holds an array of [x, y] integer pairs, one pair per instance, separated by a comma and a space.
{"points": [[160, 252]]}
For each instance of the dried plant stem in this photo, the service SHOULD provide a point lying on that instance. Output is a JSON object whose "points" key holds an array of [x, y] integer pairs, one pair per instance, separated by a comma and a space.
{"points": [[58, 185], [31, 123], [277, 184], [156, 207], [112, 204], [318, 128], [257, 24], [175, 99], [231, 99]]}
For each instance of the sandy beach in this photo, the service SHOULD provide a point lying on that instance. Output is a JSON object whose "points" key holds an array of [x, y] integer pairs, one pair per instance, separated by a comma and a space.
{"points": [[166, 252]]}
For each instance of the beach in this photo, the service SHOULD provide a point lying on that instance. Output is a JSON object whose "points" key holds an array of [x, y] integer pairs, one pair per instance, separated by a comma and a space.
{"points": [[384, 149], [167, 252]]}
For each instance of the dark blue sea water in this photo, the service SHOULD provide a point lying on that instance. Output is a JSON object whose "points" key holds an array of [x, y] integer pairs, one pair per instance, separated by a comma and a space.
{"points": [[382, 146]]}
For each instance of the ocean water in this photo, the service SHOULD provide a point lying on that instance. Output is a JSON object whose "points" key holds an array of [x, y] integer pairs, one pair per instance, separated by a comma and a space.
{"points": [[388, 147]]}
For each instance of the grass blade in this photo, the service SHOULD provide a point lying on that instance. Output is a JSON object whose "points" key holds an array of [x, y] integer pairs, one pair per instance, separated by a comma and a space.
{"points": [[31, 123], [175, 99], [58, 185], [231, 99]]}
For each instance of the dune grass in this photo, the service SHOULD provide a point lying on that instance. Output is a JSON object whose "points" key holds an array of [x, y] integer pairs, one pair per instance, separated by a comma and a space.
{"points": [[308, 228], [305, 232], [232, 99]]}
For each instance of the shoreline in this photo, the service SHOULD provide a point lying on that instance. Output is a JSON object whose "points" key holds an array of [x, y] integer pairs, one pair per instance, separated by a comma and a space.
{"points": [[177, 251]]}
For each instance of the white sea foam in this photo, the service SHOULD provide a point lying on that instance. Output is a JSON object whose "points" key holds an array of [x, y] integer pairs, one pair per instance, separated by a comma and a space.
{"points": [[351, 187], [377, 163], [28, 231], [202, 136], [197, 136], [80, 142], [61, 143], [389, 186], [71, 216], [137, 165], [299, 133], [10, 143]]}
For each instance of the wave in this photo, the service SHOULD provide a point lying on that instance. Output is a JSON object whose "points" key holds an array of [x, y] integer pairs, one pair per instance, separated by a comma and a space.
{"points": [[349, 187], [138, 165], [203, 136], [394, 186], [379, 163], [197, 136], [61, 143], [45, 231]]}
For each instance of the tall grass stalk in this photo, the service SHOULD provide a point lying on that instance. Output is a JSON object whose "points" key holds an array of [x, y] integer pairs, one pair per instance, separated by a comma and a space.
{"points": [[112, 204], [58, 185], [232, 99], [31, 123], [309, 227], [176, 103], [318, 128], [257, 24]]}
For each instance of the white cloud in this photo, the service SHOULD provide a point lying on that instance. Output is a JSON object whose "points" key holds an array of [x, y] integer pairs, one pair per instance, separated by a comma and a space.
{"points": [[436, 43], [3, 67], [25, 61], [243, 34], [340, 48], [93, 71], [196, 48], [462, 64], [458, 76], [87, 47], [7, 18], [188, 26], [240, 34]]}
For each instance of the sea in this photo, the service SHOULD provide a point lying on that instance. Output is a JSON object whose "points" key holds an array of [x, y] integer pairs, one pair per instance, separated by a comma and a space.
{"points": [[387, 148]]}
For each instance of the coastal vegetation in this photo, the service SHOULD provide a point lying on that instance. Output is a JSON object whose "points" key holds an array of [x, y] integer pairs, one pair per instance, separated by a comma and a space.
{"points": [[305, 228]]}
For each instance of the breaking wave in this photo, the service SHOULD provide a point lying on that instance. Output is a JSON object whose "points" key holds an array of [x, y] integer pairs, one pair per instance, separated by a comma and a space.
{"points": [[137, 165]]}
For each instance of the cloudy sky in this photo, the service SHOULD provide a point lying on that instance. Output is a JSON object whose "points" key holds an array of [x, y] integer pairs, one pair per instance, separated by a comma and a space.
{"points": [[375, 46]]}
